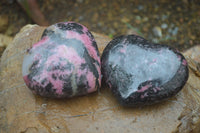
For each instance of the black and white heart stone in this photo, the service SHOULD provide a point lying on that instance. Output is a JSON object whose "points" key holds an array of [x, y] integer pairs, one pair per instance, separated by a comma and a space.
{"points": [[141, 73]]}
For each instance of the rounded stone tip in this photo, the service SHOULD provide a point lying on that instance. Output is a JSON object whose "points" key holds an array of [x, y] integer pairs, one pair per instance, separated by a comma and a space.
{"points": [[142, 73]]}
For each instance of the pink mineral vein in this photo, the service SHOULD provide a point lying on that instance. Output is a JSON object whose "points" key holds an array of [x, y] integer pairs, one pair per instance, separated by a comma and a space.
{"points": [[26, 80], [144, 88], [81, 72], [184, 62], [142, 96], [44, 39], [153, 61], [91, 81], [123, 50], [58, 84], [179, 57], [68, 53]]}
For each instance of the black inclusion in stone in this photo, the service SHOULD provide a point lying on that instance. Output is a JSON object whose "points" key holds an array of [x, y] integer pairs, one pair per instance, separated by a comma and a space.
{"points": [[71, 26], [48, 87], [67, 88], [91, 65], [33, 66], [47, 91], [54, 77], [47, 32], [81, 86], [34, 69], [142, 73], [90, 35], [44, 81], [94, 44]]}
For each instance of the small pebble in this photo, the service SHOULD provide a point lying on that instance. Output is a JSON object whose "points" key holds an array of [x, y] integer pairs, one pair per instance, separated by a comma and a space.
{"points": [[157, 31], [140, 7], [175, 31], [164, 17], [172, 25], [145, 19], [164, 26], [138, 18], [170, 30]]}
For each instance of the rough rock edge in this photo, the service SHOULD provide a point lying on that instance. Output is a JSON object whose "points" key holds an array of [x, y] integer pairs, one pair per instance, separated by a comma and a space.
{"points": [[190, 118], [34, 126]]}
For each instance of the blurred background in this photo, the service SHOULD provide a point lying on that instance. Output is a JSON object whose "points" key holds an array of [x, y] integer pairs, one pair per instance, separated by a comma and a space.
{"points": [[172, 22]]}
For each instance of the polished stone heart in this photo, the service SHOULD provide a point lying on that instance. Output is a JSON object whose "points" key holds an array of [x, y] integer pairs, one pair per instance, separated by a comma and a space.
{"points": [[141, 73], [65, 63]]}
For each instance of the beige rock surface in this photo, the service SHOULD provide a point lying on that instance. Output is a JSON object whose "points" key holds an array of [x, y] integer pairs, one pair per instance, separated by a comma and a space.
{"points": [[3, 23], [4, 42], [23, 112]]}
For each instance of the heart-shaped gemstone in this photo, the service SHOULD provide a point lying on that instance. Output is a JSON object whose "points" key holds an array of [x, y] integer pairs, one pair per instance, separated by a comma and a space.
{"points": [[140, 73], [64, 63]]}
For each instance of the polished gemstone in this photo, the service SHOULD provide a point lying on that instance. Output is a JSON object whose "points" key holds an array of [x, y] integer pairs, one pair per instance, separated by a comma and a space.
{"points": [[64, 63], [140, 73]]}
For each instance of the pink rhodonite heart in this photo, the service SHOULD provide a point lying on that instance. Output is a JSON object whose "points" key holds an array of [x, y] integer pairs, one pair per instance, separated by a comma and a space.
{"points": [[64, 63]]}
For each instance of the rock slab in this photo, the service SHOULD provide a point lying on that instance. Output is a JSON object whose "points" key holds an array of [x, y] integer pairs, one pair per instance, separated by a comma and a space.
{"points": [[23, 112]]}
